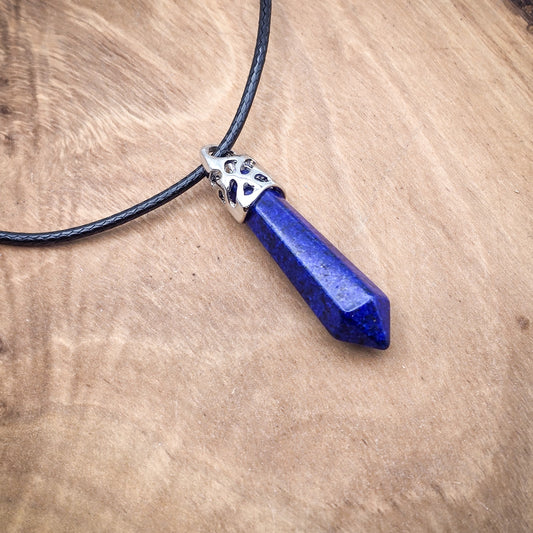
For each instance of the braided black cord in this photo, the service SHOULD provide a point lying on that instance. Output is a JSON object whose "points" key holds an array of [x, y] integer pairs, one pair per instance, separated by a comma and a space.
{"points": [[65, 235]]}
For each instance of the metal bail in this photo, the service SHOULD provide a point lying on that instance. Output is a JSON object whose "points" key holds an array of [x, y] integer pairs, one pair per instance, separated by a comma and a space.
{"points": [[237, 180]]}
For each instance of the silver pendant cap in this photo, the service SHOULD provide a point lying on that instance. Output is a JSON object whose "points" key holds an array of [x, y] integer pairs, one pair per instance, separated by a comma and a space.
{"points": [[237, 180]]}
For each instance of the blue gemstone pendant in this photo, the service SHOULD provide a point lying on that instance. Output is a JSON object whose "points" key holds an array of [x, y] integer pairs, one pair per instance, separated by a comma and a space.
{"points": [[347, 303]]}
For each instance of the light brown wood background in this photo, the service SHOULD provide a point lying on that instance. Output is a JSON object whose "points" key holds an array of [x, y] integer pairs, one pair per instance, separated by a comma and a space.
{"points": [[166, 376]]}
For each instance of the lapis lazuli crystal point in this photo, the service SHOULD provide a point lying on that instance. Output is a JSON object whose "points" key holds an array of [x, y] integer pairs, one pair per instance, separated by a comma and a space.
{"points": [[347, 303]]}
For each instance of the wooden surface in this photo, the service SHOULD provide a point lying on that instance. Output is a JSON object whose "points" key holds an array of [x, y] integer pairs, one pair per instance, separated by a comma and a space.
{"points": [[166, 376]]}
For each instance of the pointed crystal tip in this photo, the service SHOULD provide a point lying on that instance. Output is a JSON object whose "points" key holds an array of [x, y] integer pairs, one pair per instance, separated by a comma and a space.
{"points": [[367, 324]]}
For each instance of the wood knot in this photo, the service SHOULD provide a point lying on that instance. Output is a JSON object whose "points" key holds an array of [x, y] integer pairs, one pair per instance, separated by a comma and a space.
{"points": [[523, 322], [6, 413], [5, 110]]}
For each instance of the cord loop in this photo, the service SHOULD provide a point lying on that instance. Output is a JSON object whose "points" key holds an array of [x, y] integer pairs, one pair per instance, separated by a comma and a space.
{"points": [[194, 177]]}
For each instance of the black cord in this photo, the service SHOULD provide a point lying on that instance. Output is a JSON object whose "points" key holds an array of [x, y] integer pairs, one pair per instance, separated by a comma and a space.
{"points": [[65, 235]]}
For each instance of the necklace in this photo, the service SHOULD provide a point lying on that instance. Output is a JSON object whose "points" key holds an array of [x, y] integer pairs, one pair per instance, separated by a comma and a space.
{"points": [[348, 304]]}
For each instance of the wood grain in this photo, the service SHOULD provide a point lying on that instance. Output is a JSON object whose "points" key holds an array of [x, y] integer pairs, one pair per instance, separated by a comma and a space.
{"points": [[165, 376]]}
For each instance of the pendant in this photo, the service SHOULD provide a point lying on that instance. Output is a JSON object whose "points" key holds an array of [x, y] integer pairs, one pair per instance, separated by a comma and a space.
{"points": [[349, 305]]}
